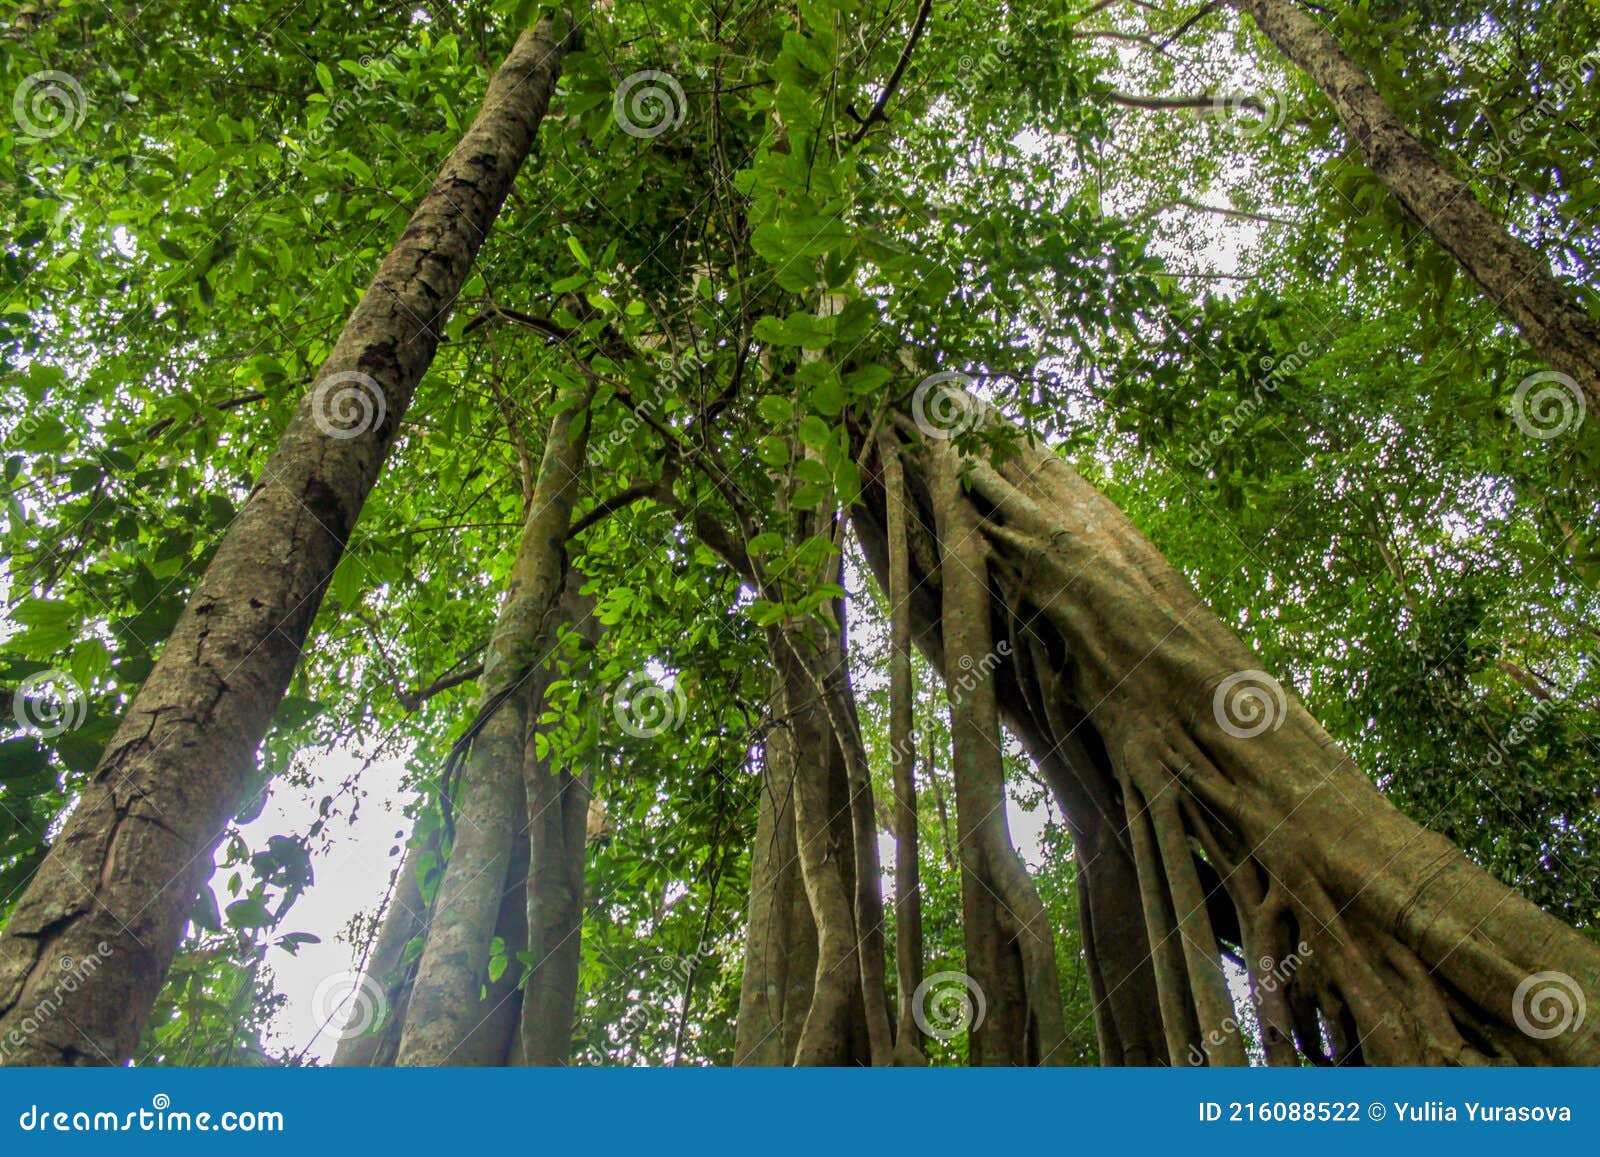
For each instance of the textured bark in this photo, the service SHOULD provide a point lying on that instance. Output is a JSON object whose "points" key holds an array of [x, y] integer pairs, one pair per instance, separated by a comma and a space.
{"points": [[1117, 952], [1411, 954], [445, 1002], [492, 1038], [1072, 761], [495, 1037], [825, 1033], [552, 899], [801, 1000], [1511, 274], [780, 932], [121, 879], [825, 660], [1010, 946], [909, 1045]]}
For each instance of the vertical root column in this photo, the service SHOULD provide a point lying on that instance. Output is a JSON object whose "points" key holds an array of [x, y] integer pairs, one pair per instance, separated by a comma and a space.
{"points": [[825, 1032], [1010, 946], [909, 1047]]}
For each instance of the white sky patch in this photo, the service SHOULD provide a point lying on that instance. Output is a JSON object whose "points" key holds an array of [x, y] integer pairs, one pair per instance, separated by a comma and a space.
{"points": [[352, 876]]}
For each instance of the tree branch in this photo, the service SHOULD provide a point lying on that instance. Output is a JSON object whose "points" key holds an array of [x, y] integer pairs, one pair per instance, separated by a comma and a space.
{"points": [[876, 113], [619, 501]]}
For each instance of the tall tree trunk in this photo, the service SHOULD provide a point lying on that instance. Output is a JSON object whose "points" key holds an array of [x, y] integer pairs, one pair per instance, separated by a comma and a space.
{"points": [[780, 932], [825, 659], [1381, 936], [122, 877], [445, 1005], [496, 1037], [801, 1000], [1513, 276], [826, 1032], [492, 1039], [552, 898]]}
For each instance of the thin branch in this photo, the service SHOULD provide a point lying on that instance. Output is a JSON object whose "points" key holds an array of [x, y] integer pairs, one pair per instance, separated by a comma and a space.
{"points": [[876, 113], [1218, 104], [1204, 11], [224, 405], [1220, 210], [618, 501], [411, 700]]}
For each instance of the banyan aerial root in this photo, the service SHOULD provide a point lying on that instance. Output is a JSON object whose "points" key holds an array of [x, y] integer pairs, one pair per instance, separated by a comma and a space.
{"points": [[1364, 937]]}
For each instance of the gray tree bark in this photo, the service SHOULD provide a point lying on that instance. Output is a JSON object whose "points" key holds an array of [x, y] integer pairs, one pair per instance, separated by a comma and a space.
{"points": [[445, 1006], [1254, 827], [1515, 278], [122, 877]]}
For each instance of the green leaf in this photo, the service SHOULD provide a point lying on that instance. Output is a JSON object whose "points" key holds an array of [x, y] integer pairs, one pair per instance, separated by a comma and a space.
{"points": [[827, 398], [251, 912], [815, 433], [773, 452], [205, 913], [22, 759], [173, 250], [775, 411]]}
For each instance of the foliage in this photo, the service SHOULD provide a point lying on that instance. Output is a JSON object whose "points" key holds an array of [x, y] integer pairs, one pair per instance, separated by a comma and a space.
{"points": [[1298, 399]]}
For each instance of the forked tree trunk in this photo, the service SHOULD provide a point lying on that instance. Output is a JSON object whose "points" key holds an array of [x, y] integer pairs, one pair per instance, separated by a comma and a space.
{"points": [[780, 957], [1515, 278], [822, 654], [122, 877], [825, 1033], [498, 1034], [801, 865], [445, 1006], [1370, 939]]}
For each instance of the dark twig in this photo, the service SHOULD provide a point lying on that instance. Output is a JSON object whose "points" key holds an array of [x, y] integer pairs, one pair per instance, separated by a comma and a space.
{"points": [[876, 113]]}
